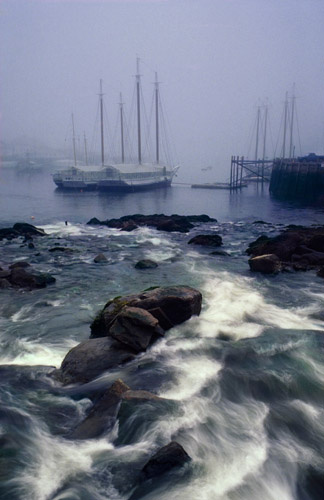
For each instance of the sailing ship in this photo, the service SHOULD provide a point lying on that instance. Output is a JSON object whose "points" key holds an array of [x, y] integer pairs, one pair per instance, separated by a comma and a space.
{"points": [[121, 176]]}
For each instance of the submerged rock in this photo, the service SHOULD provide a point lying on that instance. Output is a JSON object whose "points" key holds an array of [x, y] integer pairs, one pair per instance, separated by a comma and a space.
{"points": [[146, 264], [100, 258], [169, 305], [165, 459], [161, 222], [104, 412], [210, 240], [19, 277]]}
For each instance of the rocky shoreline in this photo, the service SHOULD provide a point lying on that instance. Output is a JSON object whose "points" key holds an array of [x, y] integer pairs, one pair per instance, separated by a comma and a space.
{"points": [[128, 325]]}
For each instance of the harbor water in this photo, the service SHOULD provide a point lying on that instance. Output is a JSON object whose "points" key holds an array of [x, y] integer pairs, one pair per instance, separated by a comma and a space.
{"points": [[243, 383]]}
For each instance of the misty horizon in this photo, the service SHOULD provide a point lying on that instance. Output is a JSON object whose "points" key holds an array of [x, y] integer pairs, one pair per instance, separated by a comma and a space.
{"points": [[217, 61]]}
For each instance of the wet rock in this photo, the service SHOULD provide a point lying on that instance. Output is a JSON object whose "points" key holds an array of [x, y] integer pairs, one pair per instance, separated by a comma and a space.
{"points": [[135, 328], [91, 358], [31, 245], [210, 240], [221, 253], [103, 413], [169, 305], [60, 249], [4, 283], [169, 223], [320, 272], [266, 264], [146, 264], [21, 229], [100, 258], [19, 277], [20, 263], [165, 459], [5, 274]]}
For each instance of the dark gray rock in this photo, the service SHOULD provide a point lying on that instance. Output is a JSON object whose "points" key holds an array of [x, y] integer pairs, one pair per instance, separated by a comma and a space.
{"points": [[169, 305], [135, 328], [103, 413], [91, 358], [146, 264], [4, 283], [161, 222], [20, 263], [165, 459], [100, 258], [210, 240], [60, 249], [266, 264]]}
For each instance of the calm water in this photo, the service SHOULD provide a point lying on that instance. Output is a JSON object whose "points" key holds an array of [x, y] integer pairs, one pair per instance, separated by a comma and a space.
{"points": [[244, 381]]}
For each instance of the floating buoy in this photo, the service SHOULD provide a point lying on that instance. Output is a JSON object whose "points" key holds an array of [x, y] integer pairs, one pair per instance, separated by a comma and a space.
{"points": [[32, 217]]}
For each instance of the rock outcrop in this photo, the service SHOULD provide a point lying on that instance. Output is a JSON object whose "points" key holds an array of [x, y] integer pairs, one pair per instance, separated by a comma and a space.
{"points": [[301, 248], [161, 222], [125, 327], [169, 305], [21, 229]]}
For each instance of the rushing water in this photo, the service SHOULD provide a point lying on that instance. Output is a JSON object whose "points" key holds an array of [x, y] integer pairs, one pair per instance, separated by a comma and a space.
{"points": [[243, 382]]}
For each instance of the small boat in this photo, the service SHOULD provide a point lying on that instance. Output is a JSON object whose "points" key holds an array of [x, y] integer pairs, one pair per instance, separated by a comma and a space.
{"points": [[121, 176]]}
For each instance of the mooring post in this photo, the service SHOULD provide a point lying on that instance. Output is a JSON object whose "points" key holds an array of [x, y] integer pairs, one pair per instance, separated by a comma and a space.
{"points": [[242, 161], [231, 172]]}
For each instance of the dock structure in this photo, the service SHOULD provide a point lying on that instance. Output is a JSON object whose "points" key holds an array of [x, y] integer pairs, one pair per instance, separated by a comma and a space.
{"points": [[244, 170], [300, 178]]}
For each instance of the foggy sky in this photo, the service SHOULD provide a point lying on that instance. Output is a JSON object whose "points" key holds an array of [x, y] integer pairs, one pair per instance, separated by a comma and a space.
{"points": [[217, 60]]}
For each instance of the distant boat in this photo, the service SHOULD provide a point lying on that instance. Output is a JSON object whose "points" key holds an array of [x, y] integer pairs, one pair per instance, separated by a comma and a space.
{"points": [[121, 176]]}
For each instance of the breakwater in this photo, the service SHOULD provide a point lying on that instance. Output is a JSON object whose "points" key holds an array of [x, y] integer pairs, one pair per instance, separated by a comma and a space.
{"points": [[301, 178]]}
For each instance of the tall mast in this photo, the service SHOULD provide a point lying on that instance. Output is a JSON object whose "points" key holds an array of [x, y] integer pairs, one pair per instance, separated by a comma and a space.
{"points": [[292, 123], [122, 128], [101, 124], [257, 135], [285, 127], [73, 140], [157, 118], [138, 90], [265, 131], [85, 148]]}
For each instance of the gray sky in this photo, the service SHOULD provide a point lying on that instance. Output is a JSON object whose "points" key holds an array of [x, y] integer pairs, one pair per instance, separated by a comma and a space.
{"points": [[216, 59]]}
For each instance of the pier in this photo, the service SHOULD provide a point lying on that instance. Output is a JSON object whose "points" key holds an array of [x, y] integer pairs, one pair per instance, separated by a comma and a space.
{"points": [[300, 178]]}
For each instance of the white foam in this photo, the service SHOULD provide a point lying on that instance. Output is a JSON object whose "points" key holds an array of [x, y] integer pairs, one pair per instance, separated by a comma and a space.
{"points": [[54, 460], [32, 353]]}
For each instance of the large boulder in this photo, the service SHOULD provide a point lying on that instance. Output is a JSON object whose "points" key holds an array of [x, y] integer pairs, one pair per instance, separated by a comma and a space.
{"points": [[135, 328], [169, 305], [266, 264], [91, 358], [166, 458]]}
